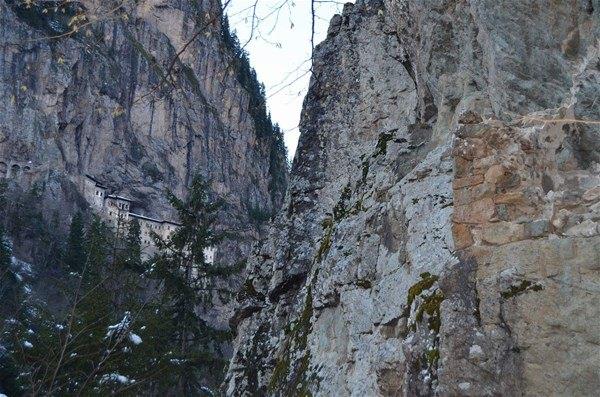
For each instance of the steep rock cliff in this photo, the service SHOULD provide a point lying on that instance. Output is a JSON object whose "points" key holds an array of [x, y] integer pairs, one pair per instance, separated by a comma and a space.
{"points": [[141, 96], [440, 234]]}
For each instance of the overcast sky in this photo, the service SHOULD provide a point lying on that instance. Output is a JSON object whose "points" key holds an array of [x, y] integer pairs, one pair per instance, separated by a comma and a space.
{"points": [[280, 52]]}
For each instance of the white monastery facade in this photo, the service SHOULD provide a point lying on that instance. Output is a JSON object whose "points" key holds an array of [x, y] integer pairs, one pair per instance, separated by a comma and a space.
{"points": [[116, 211]]}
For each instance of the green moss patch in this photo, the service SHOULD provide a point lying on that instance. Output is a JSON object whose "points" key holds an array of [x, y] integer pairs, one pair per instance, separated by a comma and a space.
{"points": [[326, 239], [430, 303], [381, 147], [248, 290], [426, 308], [365, 172], [340, 211], [290, 377], [426, 282], [521, 288], [363, 283], [432, 356]]}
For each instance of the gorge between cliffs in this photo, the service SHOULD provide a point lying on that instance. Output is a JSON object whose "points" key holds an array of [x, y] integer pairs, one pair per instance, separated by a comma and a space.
{"points": [[436, 234]]}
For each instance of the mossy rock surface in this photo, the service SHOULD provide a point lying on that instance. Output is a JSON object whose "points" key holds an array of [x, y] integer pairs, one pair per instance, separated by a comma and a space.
{"points": [[290, 376], [325, 245], [426, 282], [381, 147], [521, 288]]}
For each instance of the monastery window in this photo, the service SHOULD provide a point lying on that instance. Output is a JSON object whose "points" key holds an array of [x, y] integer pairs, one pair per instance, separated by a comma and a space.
{"points": [[14, 170]]}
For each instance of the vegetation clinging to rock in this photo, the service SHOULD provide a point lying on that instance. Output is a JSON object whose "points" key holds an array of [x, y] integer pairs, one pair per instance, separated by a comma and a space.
{"points": [[290, 373], [522, 287], [264, 126]]}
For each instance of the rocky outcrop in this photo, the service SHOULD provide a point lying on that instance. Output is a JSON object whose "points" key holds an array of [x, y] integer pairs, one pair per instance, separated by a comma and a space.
{"points": [[142, 95], [440, 232]]}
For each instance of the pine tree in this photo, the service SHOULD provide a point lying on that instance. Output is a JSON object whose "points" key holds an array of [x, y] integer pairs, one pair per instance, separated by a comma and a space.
{"points": [[97, 244], [5, 252], [75, 255], [11, 296], [132, 257], [3, 191], [88, 347], [10, 286], [125, 329], [187, 281]]}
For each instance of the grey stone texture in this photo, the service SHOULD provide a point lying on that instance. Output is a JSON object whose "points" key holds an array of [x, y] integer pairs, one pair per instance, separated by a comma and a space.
{"points": [[102, 102], [440, 233]]}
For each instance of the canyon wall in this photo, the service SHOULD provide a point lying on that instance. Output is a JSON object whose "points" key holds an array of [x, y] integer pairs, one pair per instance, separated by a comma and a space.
{"points": [[140, 95], [441, 230]]}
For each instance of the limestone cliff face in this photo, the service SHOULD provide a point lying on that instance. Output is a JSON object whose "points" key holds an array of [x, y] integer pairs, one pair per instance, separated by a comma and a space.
{"points": [[144, 94], [440, 235]]}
